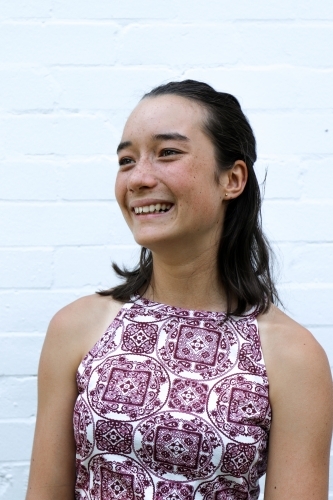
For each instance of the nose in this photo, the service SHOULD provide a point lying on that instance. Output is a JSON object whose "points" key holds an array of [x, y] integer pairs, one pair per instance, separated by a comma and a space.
{"points": [[142, 176]]}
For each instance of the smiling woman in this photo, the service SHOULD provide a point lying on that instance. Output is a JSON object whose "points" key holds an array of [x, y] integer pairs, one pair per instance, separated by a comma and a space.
{"points": [[185, 381]]}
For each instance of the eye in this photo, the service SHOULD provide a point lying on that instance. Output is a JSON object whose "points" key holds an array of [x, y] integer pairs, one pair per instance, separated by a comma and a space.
{"points": [[125, 161], [169, 152]]}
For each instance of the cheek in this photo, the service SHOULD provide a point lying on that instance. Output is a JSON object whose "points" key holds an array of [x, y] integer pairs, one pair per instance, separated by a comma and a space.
{"points": [[120, 189]]}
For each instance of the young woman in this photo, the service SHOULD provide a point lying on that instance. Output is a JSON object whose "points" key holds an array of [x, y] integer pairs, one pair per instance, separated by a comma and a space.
{"points": [[195, 383]]}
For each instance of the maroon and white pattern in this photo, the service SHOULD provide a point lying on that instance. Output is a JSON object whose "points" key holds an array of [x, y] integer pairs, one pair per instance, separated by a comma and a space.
{"points": [[172, 405], [83, 428], [123, 385], [239, 407], [196, 351], [114, 436], [117, 477], [178, 445], [171, 490], [188, 396], [140, 338]]}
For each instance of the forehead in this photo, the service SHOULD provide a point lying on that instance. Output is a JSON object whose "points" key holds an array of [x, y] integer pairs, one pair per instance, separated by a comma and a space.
{"points": [[165, 113]]}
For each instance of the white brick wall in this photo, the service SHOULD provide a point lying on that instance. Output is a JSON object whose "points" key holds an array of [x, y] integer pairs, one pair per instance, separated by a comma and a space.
{"points": [[70, 72]]}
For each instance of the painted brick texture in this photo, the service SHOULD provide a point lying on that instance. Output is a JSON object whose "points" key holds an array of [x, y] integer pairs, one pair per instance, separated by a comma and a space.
{"points": [[70, 73]]}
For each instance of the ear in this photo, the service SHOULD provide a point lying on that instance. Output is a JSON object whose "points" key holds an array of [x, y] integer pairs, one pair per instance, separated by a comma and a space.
{"points": [[234, 180]]}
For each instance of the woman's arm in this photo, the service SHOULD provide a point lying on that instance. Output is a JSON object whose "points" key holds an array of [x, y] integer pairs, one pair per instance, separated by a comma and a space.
{"points": [[52, 470], [302, 410], [71, 334]]}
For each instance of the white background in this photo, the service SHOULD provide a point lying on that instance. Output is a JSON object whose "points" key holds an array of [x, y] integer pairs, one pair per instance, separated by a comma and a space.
{"points": [[70, 72]]}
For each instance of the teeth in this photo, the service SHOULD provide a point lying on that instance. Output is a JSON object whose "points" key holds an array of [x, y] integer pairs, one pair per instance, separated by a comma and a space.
{"points": [[152, 208]]}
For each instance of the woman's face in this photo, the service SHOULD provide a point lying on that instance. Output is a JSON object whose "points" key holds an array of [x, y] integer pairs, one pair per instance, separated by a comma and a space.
{"points": [[166, 185]]}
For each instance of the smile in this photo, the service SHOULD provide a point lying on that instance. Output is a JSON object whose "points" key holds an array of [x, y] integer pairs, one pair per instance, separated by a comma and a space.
{"points": [[150, 209]]}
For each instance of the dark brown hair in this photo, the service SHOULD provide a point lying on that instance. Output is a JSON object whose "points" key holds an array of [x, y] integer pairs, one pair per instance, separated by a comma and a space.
{"points": [[243, 258]]}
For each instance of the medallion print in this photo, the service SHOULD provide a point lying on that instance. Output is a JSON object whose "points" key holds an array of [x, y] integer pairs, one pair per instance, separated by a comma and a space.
{"points": [[223, 488], [117, 477], [172, 490], [176, 443], [106, 345], [188, 395], [83, 427], [172, 405], [240, 408], [190, 350], [259, 467], [238, 458], [130, 386], [114, 436], [140, 338], [82, 477]]}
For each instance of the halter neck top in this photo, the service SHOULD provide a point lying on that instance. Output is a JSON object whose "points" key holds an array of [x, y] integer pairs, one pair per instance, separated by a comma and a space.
{"points": [[172, 405]]}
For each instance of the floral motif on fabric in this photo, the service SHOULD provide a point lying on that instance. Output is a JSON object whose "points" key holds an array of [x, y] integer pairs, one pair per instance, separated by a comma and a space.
{"points": [[223, 488], [249, 357], [117, 477], [172, 490], [178, 444], [238, 458], [114, 436], [83, 427], [196, 352], [82, 476], [106, 345], [173, 405], [258, 469], [140, 338], [188, 395], [128, 386], [240, 408]]}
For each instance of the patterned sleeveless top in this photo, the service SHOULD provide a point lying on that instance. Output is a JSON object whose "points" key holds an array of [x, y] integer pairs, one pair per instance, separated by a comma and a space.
{"points": [[172, 405]]}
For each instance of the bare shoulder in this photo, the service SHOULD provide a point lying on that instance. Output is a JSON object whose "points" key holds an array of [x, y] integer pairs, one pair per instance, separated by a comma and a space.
{"points": [[286, 341], [81, 323], [301, 397]]}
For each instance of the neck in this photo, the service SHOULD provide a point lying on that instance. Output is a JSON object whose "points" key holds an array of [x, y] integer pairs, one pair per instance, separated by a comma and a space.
{"points": [[189, 283]]}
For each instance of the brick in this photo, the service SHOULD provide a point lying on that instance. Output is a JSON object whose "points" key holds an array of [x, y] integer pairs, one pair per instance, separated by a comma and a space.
{"points": [[63, 224], [80, 267], [88, 179], [19, 353], [20, 9], [58, 43], [13, 480], [26, 268], [215, 10], [182, 47], [107, 88], [307, 262], [309, 305], [293, 133], [31, 311], [315, 171], [16, 439], [299, 44], [18, 397], [26, 89], [276, 171], [271, 86], [298, 221], [227, 44], [29, 180], [62, 135]]}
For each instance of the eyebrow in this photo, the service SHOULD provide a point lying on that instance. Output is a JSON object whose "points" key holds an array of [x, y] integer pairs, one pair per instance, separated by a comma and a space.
{"points": [[172, 136]]}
